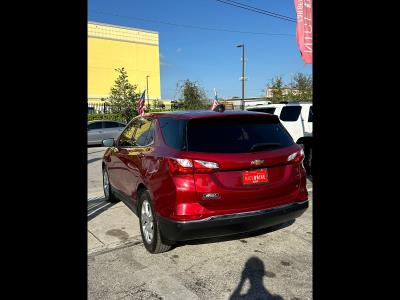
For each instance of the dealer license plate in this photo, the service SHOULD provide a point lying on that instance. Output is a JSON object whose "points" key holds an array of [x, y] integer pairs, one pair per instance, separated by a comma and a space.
{"points": [[255, 177]]}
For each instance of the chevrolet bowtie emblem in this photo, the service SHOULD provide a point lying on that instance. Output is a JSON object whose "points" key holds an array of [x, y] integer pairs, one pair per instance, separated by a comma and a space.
{"points": [[257, 162]]}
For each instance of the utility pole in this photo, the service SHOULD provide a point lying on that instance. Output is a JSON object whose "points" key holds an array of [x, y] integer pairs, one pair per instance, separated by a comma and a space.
{"points": [[243, 78], [147, 90]]}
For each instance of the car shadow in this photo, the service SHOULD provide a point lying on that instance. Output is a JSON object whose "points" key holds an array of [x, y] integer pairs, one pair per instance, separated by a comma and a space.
{"points": [[94, 159], [96, 206], [237, 236], [254, 271]]}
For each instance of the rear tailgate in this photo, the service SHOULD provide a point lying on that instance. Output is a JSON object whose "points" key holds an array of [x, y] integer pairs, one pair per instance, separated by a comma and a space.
{"points": [[228, 143]]}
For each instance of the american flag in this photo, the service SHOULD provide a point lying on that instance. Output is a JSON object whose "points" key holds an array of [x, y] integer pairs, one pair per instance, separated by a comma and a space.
{"points": [[140, 106], [215, 103]]}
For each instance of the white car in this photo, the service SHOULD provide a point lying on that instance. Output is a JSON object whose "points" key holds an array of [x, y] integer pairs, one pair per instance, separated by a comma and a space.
{"points": [[103, 129], [297, 119]]}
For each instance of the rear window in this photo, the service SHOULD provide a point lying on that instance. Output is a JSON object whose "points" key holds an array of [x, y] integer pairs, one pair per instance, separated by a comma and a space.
{"points": [[236, 135], [268, 110], [173, 131], [290, 113]]}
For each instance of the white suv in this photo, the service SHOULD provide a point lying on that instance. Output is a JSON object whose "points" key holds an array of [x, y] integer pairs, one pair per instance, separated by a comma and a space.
{"points": [[297, 119]]}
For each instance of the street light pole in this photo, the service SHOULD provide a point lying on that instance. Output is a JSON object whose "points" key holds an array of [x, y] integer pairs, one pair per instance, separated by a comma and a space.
{"points": [[243, 78], [147, 90]]}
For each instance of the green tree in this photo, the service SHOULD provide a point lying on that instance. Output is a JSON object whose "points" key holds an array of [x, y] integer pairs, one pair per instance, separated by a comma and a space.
{"points": [[302, 87], [277, 85], [123, 96], [192, 95]]}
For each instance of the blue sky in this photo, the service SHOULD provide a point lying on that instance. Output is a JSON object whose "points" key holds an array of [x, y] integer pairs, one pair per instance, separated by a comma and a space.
{"points": [[211, 57]]}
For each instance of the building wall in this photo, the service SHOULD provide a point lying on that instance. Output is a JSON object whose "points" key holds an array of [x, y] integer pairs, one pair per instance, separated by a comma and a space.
{"points": [[111, 47]]}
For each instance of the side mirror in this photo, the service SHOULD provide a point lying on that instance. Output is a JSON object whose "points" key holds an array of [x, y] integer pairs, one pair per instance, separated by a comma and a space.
{"points": [[108, 143]]}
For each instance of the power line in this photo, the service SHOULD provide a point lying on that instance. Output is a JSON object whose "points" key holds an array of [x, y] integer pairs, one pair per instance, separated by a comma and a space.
{"points": [[258, 10], [191, 26]]}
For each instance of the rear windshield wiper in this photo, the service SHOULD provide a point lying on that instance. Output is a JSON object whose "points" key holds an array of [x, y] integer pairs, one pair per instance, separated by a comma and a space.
{"points": [[260, 146]]}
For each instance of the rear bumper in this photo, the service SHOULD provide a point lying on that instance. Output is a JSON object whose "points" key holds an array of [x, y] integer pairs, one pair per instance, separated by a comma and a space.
{"points": [[174, 231]]}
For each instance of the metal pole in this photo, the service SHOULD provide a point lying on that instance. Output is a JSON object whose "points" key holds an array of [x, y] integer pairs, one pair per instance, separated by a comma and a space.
{"points": [[243, 78], [147, 90]]}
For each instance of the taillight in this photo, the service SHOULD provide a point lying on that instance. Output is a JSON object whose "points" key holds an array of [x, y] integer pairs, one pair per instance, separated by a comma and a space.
{"points": [[201, 166], [189, 166], [180, 166], [296, 157]]}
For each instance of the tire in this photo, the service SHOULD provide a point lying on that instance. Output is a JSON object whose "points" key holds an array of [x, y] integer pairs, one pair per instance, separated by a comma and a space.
{"points": [[150, 233], [108, 194]]}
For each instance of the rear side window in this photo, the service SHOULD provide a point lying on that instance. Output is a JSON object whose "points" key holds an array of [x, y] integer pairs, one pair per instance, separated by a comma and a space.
{"points": [[310, 114], [144, 134], [236, 135], [268, 110], [173, 131], [125, 139], [290, 113]]}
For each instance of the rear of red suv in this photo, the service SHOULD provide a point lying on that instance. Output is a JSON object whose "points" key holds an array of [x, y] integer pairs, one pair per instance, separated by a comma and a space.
{"points": [[218, 174]]}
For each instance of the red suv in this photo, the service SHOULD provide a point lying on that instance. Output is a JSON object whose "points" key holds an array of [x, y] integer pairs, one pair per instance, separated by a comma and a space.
{"points": [[198, 174]]}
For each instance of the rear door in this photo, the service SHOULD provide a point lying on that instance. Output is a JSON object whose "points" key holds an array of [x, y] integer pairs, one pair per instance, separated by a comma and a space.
{"points": [[134, 157], [117, 167], [259, 145]]}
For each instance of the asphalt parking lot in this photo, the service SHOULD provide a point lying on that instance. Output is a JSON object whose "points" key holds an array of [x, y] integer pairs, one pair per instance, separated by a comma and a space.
{"points": [[270, 264]]}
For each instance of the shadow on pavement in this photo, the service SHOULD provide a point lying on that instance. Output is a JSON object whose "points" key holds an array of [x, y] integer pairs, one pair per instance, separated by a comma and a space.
{"points": [[254, 271], [98, 206], [237, 236], [94, 159]]}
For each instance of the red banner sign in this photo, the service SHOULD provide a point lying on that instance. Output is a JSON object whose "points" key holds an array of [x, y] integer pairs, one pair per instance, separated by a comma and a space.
{"points": [[304, 29]]}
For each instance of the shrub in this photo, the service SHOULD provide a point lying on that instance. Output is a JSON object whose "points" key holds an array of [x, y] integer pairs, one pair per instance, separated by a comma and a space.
{"points": [[111, 116]]}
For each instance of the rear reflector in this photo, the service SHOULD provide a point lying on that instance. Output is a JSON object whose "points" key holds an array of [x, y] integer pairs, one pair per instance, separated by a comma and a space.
{"points": [[189, 166]]}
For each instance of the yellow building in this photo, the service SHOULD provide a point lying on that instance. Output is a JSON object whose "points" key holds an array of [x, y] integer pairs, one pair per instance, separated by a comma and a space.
{"points": [[111, 47]]}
